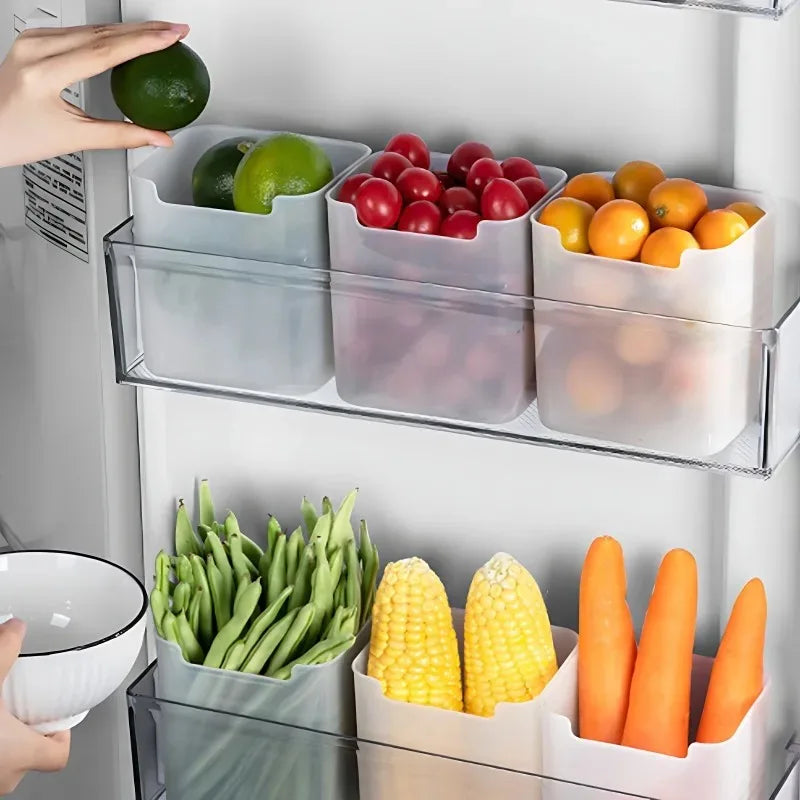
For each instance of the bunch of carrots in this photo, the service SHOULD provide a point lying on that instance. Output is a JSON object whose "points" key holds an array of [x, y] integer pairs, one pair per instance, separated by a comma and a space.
{"points": [[640, 698]]}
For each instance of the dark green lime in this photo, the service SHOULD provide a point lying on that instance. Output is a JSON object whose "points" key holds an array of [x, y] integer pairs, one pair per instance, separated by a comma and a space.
{"points": [[212, 177], [163, 91]]}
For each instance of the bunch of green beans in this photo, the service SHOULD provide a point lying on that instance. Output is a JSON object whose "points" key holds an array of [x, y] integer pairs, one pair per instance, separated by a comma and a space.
{"points": [[232, 604]]}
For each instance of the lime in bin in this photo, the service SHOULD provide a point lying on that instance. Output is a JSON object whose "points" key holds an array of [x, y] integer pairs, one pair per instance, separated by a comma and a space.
{"points": [[285, 164], [212, 178], [162, 91]]}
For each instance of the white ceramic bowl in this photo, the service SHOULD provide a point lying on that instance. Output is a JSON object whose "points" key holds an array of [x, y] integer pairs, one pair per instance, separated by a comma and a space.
{"points": [[85, 621]]}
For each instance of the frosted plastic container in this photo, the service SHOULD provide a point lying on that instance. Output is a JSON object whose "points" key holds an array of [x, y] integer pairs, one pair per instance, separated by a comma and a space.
{"points": [[510, 739], [295, 232], [435, 351], [496, 260], [658, 383], [201, 752], [732, 285], [732, 770], [229, 322]]}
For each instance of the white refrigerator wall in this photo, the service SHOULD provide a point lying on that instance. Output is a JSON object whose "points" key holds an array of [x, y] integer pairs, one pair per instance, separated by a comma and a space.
{"points": [[578, 84]]}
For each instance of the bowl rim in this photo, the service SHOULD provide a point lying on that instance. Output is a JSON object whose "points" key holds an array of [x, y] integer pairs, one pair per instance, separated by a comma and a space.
{"points": [[96, 643]]}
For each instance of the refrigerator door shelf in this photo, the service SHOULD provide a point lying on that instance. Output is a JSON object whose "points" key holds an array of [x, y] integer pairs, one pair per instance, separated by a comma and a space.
{"points": [[652, 388], [770, 9]]}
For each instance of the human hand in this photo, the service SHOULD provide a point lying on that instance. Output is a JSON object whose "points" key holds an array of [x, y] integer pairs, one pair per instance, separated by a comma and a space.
{"points": [[21, 748], [36, 123]]}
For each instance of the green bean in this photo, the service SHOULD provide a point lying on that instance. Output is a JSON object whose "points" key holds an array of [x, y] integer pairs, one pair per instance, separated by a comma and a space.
{"points": [[273, 531], [369, 585], [206, 504], [301, 592], [349, 622], [365, 545], [170, 623], [266, 645], [238, 558], [159, 603], [352, 592], [235, 656], [163, 568], [264, 620], [322, 530], [342, 529], [250, 548], [327, 507], [219, 594], [222, 562], [194, 611], [263, 568], [190, 647], [202, 532], [184, 570], [241, 588], [322, 651], [334, 625], [321, 592], [294, 549], [336, 560], [181, 598], [206, 603], [339, 592], [309, 514], [294, 637], [233, 629], [185, 541], [276, 581]]}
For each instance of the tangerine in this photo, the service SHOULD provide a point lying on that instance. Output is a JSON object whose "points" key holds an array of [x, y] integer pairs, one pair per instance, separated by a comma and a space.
{"points": [[719, 228], [664, 247], [591, 188], [571, 218], [749, 212], [676, 203], [636, 179], [618, 230]]}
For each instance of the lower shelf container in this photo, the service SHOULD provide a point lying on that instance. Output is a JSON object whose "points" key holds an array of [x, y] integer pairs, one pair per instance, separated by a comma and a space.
{"points": [[255, 756], [648, 387]]}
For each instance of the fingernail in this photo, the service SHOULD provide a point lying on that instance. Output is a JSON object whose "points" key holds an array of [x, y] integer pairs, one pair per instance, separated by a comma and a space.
{"points": [[170, 34], [179, 27], [15, 625]]}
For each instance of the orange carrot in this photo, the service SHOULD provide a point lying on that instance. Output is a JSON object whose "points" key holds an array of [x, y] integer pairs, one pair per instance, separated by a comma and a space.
{"points": [[737, 676], [658, 709], [606, 643]]}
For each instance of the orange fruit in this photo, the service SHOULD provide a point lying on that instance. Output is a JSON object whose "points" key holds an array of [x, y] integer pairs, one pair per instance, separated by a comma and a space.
{"points": [[664, 247], [592, 189], [635, 180], [594, 384], [676, 203], [748, 212], [719, 228], [618, 230], [571, 217]]}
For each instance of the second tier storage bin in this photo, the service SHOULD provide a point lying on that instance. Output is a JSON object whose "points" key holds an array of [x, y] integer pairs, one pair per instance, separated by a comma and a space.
{"points": [[627, 352]]}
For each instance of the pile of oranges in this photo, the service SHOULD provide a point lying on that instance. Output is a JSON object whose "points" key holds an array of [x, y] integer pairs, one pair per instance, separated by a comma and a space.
{"points": [[641, 215]]}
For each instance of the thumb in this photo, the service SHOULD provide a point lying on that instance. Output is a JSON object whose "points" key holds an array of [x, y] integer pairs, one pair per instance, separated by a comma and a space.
{"points": [[11, 635], [98, 134]]}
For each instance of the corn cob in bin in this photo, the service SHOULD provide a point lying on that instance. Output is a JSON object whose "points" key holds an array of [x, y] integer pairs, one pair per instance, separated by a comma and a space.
{"points": [[509, 656], [413, 650]]}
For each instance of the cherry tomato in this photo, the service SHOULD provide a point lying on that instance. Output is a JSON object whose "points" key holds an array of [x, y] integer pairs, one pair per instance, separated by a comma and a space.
{"points": [[534, 189], [378, 203], [515, 168], [445, 180], [421, 216], [389, 166], [502, 199], [457, 198], [416, 183], [463, 157], [461, 225], [347, 194], [480, 173], [411, 147]]}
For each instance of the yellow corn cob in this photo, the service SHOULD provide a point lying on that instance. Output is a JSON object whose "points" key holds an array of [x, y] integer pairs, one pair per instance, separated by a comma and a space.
{"points": [[508, 645], [413, 651]]}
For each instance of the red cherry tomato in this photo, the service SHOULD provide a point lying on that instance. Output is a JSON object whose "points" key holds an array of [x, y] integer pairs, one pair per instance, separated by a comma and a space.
{"points": [[461, 225], [412, 147], [445, 180], [421, 216], [457, 198], [534, 189], [516, 167], [347, 194], [389, 166], [416, 183], [378, 203], [502, 199], [463, 157], [480, 173]]}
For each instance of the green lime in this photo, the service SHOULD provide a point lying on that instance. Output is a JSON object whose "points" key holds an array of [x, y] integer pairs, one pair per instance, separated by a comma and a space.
{"points": [[285, 164], [162, 91], [212, 177]]}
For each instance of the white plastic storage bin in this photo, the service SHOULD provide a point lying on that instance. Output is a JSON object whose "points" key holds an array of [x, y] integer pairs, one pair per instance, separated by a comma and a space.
{"points": [[732, 770], [677, 386], [201, 751], [496, 260], [511, 739], [732, 285], [433, 351], [294, 233]]}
